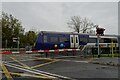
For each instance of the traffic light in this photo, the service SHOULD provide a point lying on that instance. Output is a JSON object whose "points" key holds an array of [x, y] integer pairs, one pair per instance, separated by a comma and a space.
{"points": [[100, 31]]}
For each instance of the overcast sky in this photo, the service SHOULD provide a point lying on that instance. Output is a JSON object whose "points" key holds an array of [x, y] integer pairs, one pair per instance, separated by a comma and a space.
{"points": [[53, 16]]}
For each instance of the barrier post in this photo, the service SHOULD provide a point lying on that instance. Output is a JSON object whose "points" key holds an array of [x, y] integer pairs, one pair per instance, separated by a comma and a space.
{"points": [[98, 46]]}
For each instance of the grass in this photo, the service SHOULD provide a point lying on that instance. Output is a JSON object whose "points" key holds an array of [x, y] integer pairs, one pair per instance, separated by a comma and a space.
{"points": [[107, 55]]}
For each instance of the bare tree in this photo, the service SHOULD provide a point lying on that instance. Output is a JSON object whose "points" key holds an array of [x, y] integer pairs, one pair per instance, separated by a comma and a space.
{"points": [[80, 25]]}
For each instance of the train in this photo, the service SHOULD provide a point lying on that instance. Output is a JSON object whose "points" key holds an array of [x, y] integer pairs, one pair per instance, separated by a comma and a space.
{"points": [[49, 40]]}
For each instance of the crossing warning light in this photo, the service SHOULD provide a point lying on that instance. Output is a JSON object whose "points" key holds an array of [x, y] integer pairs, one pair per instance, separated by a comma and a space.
{"points": [[100, 31]]}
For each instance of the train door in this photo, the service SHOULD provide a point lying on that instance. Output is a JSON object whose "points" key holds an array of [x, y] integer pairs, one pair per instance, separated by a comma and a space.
{"points": [[74, 41]]}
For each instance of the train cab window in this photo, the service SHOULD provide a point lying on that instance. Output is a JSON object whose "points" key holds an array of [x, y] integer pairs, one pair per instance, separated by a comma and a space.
{"points": [[63, 39], [45, 38], [92, 40], [53, 39]]}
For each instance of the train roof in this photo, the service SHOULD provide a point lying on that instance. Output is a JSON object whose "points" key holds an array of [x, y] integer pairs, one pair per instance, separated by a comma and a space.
{"points": [[54, 32]]}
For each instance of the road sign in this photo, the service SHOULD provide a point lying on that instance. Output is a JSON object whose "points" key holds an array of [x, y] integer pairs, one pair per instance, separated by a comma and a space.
{"points": [[15, 39]]}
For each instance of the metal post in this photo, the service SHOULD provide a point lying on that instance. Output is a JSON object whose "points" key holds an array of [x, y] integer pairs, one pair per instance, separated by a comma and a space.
{"points": [[6, 42], [119, 43], [98, 47], [112, 49], [18, 43]]}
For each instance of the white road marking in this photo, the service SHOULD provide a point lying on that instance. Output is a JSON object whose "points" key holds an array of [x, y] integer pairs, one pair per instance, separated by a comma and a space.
{"points": [[52, 74], [26, 69], [24, 60], [35, 71]]}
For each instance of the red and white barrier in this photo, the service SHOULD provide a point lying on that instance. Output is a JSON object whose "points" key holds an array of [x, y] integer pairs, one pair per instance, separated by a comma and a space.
{"points": [[6, 52], [34, 51]]}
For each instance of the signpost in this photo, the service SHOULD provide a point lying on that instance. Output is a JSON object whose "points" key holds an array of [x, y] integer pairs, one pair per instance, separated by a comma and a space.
{"points": [[17, 40]]}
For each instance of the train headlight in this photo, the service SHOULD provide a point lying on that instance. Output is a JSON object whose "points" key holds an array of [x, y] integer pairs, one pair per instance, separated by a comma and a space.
{"points": [[55, 45]]}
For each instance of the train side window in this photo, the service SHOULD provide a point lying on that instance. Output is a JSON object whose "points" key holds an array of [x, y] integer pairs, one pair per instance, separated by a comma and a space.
{"points": [[84, 39], [45, 38], [63, 39], [92, 40], [101, 40], [53, 39], [115, 41], [107, 40]]}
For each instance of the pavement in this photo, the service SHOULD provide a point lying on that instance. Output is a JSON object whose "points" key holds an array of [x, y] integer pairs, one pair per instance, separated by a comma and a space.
{"points": [[112, 61], [106, 61]]}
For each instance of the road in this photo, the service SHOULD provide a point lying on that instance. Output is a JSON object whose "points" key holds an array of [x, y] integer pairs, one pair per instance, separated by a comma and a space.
{"points": [[27, 66]]}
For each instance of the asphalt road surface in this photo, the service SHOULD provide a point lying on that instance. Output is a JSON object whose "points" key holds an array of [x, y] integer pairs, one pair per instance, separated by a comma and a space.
{"points": [[29, 67]]}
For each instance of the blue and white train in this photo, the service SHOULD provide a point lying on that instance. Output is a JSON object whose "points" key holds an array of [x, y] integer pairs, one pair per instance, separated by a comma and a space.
{"points": [[48, 40]]}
